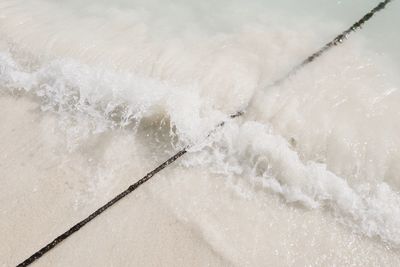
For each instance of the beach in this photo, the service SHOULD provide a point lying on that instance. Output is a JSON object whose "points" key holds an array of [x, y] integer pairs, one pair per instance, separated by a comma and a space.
{"points": [[94, 95]]}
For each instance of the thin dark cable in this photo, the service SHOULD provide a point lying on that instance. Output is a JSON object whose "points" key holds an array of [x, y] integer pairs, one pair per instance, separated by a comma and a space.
{"points": [[339, 39]]}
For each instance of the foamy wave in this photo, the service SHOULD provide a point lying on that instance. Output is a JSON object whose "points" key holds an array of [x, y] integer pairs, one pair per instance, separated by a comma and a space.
{"points": [[255, 152], [107, 99]]}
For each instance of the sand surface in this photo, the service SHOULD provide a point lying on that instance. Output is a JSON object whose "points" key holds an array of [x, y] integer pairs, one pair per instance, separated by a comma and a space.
{"points": [[183, 217], [38, 199]]}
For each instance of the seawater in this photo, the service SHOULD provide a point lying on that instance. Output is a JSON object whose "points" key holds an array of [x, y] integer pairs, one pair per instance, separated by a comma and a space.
{"points": [[326, 139]]}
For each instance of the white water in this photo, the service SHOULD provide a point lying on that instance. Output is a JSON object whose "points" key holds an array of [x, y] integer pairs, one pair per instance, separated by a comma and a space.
{"points": [[327, 139]]}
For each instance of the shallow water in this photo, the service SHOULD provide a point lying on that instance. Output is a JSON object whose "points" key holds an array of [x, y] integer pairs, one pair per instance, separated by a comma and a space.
{"points": [[320, 149]]}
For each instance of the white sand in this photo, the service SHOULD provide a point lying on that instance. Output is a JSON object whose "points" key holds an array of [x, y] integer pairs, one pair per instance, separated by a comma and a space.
{"points": [[183, 217], [38, 192]]}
